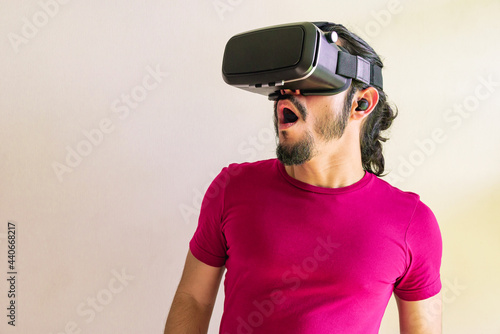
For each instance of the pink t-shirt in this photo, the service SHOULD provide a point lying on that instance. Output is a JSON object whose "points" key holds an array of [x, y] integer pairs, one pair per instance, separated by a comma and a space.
{"points": [[313, 260]]}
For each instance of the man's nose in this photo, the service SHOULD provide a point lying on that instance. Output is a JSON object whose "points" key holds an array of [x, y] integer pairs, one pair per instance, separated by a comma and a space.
{"points": [[290, 91]]}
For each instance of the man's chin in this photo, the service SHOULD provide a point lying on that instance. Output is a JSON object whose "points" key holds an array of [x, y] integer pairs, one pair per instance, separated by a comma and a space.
{"points": [[295, 152], [292, 156]]}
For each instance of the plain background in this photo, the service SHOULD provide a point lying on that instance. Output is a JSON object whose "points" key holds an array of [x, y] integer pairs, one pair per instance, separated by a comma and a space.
{"points": [[128, 206]]}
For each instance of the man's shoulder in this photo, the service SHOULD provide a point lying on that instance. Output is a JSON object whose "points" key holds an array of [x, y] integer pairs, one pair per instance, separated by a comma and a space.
{"points": [[243, 174], [401, 203], [394, 194], [249, 168]]}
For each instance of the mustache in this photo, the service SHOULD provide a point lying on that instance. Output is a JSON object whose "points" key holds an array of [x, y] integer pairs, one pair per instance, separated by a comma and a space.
{"points": [[293, 100]]}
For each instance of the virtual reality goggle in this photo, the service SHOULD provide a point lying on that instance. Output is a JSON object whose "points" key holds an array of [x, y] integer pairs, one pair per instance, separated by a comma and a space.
{"points": [[294, 56]]}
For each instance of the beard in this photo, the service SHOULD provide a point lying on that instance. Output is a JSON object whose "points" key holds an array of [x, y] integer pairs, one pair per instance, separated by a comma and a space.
{"points": [[298, 153], [328, 127]]}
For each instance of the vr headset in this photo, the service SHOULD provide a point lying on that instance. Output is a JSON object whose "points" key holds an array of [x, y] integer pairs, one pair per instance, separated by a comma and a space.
{"points": [[294, 56]]}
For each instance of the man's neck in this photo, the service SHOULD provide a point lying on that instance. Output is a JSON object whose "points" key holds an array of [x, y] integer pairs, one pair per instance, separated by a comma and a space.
{"points": [[328, 172]]}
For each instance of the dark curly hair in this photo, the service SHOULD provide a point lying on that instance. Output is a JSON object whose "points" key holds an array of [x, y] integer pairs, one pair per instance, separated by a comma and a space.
{"points": [[381, 117]]}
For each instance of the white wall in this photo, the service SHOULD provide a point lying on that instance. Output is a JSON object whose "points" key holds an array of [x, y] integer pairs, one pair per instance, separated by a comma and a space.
{"points": [[118, 210]]}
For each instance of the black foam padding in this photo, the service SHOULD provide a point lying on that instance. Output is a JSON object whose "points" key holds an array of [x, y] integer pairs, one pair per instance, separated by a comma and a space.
{"points": [[347, 66]]}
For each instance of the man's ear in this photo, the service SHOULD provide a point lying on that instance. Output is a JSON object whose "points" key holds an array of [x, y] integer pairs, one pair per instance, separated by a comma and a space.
{"points": [[360, 109]]}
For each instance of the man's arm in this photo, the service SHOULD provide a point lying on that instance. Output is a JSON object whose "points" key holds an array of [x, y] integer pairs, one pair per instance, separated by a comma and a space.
{"points": [[419, 317], [195, 298]]}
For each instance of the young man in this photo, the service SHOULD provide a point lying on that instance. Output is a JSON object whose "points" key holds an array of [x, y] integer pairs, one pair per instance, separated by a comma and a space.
{"points": [[314, 241]]}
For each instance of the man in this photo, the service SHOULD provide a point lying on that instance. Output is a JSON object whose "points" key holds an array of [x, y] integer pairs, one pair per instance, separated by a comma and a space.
{"points": [[314, 241]]}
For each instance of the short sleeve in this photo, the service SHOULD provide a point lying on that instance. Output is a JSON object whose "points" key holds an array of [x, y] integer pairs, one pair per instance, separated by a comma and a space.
{"points": [[421, 279], [208, 243]]}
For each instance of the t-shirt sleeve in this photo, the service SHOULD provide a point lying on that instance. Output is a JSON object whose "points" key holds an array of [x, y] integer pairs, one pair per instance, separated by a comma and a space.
{"points": [[421, 279], [208, 243]]}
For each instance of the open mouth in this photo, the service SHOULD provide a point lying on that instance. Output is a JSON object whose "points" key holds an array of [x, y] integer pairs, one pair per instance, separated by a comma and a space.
{"points": [[289, 116]]}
